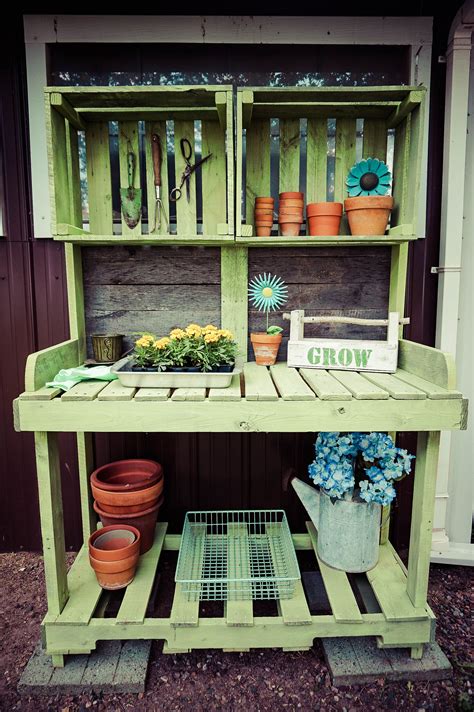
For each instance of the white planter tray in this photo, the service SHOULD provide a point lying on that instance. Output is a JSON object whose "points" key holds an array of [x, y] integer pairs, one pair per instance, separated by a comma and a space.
{"points": [[171, 379]]}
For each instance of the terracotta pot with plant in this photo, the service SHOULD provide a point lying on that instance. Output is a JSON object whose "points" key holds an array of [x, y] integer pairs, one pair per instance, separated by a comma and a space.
{"points": [[368, 206], [267, 293]]}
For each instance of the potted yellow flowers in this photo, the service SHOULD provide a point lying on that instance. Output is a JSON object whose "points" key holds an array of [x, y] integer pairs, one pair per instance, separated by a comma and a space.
{"points": [[194, 349]]}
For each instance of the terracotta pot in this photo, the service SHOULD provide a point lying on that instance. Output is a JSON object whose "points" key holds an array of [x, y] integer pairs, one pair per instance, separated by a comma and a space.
{"points": [[324, 218], [288, 229], [128, 502], [263, 231], [291, 211], [113, 575], [368, 214], [144, 521], [288, 203], [291, 195], [265, 348], [127, 475], [264, 201], [114, 543]]}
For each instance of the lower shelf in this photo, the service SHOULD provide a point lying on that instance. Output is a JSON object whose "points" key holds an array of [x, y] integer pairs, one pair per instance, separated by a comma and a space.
{"points": [[393, 620]]}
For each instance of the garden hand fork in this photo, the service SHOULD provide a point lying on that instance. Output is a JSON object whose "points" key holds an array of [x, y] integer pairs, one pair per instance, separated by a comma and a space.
{"points": [[157, 156]]}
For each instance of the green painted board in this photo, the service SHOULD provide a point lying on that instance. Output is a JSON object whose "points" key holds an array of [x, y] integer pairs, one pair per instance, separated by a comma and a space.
{"points": [[84, 391], [137, 594], [290, 384], [114, 391], [343, 603], [84, 591], [359, 386], [325, 385], [186, 219], [258, 165], [152, 394], [258, 383], [394, 387], [345, 159], [433, 391], [389, 584], [99, 178], [234, 299], [289, 155], [232, 393], [374, 139], [44, 393], [316, 161], [214, 184], [189, 394], [238, 612], [74, 177]]}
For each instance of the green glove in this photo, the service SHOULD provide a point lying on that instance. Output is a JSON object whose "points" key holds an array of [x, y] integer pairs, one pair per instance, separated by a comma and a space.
{"points": [[68, 377]]}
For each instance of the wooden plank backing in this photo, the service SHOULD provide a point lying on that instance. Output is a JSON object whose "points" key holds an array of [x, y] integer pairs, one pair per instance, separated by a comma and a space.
{"points": [[99, 178], [432, 390], [343, 603], [137, 594], [374, 139], [316, 161], [84, 391], [214, 183], [289, 155], [186, 221], [290, 384], [345, 159], [394, 387], [389, 584], [359, 386], [325, 385], [84, 591], [238, 612], [257, 164], [232, 393], [116, 392], [258, 383]]}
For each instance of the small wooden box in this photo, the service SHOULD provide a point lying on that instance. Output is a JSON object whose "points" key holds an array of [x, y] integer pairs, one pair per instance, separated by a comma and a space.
{"points": [[343, 354]]}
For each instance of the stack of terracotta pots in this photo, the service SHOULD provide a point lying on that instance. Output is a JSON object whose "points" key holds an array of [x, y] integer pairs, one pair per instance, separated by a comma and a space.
{"points": [[263, 216], [129, 492], [290, 213], [113, 554]]}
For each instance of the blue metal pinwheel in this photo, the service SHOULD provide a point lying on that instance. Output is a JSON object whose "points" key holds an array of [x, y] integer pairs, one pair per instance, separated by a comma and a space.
{"points": [[368, 177]]}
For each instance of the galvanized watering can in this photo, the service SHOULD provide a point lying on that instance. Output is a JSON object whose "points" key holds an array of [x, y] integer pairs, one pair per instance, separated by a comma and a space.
{"points": [[348, 531]]}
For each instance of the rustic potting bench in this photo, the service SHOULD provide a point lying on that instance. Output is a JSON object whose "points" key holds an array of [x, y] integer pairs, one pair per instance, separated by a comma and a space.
{"points": [[420, 396]]}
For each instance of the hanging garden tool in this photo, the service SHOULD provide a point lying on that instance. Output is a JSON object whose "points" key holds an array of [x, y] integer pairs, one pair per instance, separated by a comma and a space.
{"points": [[186, 152], [131, 197], [157, 155]]}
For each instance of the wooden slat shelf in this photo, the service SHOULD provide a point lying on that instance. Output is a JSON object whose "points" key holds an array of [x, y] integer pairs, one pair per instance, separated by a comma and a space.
{"points": [[161, 240], [278, 399], [293, 628], [330, 241]]}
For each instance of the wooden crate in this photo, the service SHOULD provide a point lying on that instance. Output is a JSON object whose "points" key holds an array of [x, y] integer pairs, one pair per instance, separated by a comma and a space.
{"points": [[83, 121], [286, 134]]}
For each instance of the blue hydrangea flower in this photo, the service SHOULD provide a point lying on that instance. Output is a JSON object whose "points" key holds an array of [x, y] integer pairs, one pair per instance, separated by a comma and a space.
{"points": [[368, 177]]}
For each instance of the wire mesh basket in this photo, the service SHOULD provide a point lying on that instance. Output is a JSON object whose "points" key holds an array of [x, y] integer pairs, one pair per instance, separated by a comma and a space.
{"points": [[236, 556]]}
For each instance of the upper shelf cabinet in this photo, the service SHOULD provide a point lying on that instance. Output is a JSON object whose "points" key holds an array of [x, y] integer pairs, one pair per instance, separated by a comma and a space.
{"points": [[308, 139], [92, 131]]}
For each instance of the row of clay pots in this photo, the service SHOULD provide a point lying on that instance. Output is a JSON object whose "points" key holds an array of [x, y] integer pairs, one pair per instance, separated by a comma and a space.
{"points": [[129, 492], [367, 215], [113, 554]]}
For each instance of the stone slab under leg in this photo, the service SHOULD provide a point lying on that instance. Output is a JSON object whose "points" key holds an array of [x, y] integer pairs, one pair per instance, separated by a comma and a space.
{"points": [[113, 667], [357, 661]]}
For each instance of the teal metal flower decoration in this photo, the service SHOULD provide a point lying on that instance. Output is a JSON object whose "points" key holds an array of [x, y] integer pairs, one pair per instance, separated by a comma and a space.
{"points": [[267, 292], [368, 177]]}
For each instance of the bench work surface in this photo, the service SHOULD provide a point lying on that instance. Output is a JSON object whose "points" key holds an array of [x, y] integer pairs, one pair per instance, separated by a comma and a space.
{"points": [[275, 399]]}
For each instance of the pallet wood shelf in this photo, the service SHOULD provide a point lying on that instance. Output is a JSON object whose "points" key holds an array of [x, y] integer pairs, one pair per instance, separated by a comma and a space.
{"points": [[293, 628], [420, 396]]}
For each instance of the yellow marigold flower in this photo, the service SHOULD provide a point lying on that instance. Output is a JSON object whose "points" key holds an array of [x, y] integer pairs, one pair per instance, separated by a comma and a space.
{"points": [[177, 334], [193, 330], [161, 343], [211, 337], [225, 334], [142, 341], [209, 327]]}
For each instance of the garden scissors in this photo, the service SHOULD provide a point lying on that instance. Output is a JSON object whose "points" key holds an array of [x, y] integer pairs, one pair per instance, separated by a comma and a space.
{"points": [[186, 152]]}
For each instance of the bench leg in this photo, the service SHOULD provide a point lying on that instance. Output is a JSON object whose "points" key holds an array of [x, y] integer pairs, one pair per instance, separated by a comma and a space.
{"points": [[52, 523], [85, 458], [422, 517]]}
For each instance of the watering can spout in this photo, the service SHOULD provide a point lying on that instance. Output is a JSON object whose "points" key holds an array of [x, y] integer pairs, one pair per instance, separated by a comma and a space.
{"points": [[309, 497]]}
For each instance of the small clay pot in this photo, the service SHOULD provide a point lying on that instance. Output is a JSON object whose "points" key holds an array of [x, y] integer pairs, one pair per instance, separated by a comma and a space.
{"points": [[264, 201], [144, 521], [324, 218], [114, 543], [127, 475], [288, 203], [265, 348], [368, 214], [291, 211], [290, 225], [113, 575], [263, 230], [128, 502], [291, 195], [263, 211]]}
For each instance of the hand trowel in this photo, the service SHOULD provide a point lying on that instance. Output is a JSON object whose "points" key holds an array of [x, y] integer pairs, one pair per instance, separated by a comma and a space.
{"points": [[131, 197]]}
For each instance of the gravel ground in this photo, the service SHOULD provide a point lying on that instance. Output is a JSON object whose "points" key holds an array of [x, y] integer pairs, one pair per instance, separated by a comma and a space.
{"points": [[270, 680]]}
